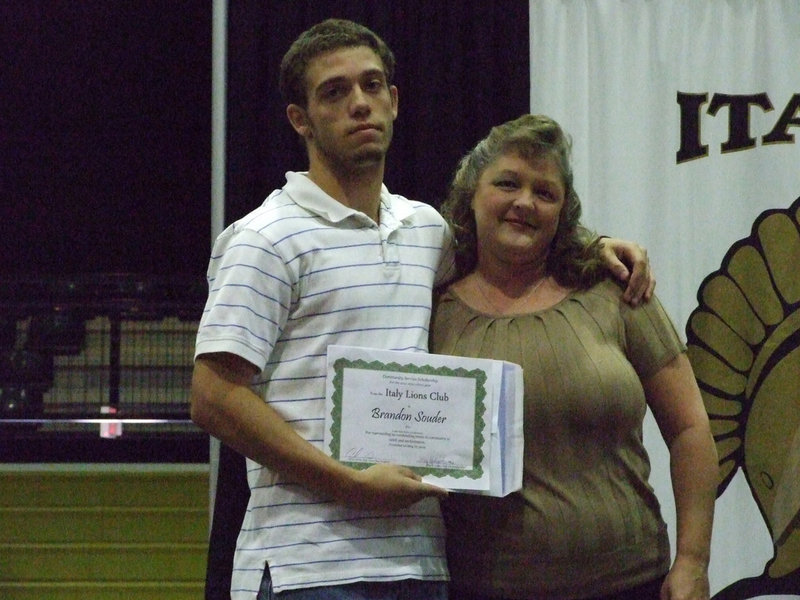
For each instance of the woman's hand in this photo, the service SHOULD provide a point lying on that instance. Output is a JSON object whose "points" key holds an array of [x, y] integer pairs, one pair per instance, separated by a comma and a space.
{"points": [[686, 580], [628, 262]]}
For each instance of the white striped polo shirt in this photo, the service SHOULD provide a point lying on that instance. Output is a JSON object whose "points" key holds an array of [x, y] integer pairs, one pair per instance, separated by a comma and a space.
{"points": [[297, 274]]}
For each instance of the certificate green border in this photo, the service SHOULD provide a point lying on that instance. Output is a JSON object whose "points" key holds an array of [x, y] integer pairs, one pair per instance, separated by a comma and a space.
{"points": [[480, 410]]}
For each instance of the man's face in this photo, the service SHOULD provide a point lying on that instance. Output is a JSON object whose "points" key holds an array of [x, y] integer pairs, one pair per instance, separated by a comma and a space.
{"points": [[349, 120]]}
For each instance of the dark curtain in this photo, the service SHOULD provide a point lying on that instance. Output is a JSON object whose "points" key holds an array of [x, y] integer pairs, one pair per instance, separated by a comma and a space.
{"points": [[105, 127], [462, 67]]}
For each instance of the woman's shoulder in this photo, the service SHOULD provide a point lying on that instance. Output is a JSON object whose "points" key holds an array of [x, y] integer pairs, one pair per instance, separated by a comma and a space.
{"points": [[606, 291]]}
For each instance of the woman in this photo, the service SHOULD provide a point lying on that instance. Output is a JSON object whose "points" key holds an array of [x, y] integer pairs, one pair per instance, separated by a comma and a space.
{"points": [[533, 291]]}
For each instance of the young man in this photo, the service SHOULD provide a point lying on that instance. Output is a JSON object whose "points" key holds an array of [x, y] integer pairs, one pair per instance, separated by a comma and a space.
{"points": [[332, 257]]}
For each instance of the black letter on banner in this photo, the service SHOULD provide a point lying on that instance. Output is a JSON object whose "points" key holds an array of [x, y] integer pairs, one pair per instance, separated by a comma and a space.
{"points": [[778, 133], [738, 117], [691, 147]]}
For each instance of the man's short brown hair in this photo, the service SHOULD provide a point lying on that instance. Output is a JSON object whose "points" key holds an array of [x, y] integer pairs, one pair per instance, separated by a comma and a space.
{"points": [[329, 35]]}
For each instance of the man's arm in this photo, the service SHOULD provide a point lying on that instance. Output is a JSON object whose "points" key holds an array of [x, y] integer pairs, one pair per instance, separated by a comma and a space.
{"points": [[223, 404], [628, 262]]}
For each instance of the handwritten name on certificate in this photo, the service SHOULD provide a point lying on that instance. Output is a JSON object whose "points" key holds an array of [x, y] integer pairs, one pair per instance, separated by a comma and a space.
{"points": [[432, 413]]}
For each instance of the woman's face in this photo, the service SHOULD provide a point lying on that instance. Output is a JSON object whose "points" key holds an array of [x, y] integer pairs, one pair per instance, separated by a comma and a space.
{"points": [[517, 206]]}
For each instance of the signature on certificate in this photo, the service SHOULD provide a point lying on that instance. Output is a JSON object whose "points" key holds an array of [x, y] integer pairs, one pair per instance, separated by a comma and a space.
{"points": [[439, 462], [360, 455]]}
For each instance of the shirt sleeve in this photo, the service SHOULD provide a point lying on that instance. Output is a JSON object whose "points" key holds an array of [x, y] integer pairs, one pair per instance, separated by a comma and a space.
{"points": [[447, 265], [250, 292], [651, 338]]}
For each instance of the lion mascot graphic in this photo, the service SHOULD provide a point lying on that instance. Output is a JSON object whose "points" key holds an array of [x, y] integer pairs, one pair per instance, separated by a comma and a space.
{"points": [[744, 345]]}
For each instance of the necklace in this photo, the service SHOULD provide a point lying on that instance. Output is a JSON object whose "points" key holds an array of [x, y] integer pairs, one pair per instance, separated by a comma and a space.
{"points": [[514, 302]]}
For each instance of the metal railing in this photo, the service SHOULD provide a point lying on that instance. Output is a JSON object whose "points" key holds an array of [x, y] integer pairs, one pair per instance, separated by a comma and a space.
{"points": [[94, 352]]}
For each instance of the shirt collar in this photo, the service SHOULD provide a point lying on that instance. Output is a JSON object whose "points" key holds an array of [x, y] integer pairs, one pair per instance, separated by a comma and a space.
{"points": [[306, 193]]}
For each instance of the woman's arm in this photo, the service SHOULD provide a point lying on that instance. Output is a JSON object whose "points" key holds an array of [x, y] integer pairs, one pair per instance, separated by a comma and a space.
{"points": [[675, 400]]}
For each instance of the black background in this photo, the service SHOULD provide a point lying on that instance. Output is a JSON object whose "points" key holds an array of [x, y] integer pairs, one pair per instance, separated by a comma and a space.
{"points": [[105, 117]]}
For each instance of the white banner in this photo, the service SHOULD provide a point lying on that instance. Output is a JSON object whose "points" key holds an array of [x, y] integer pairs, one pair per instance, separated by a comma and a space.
{"points": [[685, 117]]}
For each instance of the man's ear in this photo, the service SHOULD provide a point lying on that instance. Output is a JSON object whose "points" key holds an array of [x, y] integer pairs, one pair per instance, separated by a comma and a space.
{"points": [[393, 94], [299, 119]]}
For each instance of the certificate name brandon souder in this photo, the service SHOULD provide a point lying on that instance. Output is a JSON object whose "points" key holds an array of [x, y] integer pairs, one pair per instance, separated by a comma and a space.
{"points": [[431, 418], [421, 417]]}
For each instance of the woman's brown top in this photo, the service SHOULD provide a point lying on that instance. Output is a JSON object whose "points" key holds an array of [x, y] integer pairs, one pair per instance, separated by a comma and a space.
{"points": [[586, 522]]}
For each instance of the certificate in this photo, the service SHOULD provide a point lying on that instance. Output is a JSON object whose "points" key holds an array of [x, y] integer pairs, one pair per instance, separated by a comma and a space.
{"points": [[455, 421]]}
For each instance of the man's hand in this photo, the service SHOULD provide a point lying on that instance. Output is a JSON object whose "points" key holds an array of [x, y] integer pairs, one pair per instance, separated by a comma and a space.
{"points": [[628, 262], [385, 487]]}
